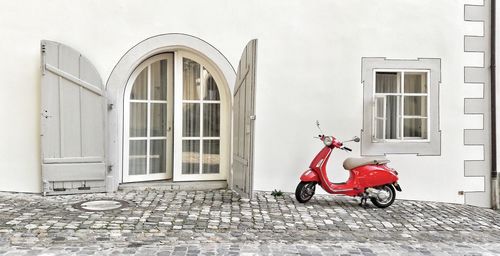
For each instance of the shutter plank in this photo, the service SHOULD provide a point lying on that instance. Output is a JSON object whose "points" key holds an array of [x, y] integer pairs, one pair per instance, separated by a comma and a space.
{"points": [[92, 125], [69, 62], [89, 74], [70, 119], [92, 110], [73, 172], [50, 105]]}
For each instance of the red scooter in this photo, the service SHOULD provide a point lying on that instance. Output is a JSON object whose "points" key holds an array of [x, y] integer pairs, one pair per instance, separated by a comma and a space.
{"points": [[370, 177]]}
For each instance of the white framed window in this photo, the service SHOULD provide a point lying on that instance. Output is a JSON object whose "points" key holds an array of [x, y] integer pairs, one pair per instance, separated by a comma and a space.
{"points": [[401, 106]]}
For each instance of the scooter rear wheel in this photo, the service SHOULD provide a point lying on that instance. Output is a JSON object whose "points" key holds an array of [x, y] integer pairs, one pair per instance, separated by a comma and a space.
{"points": [[305, 191], [386, 202]]}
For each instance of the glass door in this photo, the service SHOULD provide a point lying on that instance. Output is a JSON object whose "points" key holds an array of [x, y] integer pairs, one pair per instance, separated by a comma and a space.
{"points": [[198, 120], [148, 114]]}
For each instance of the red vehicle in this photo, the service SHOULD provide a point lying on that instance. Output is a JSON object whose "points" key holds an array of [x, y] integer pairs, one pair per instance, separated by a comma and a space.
{"points": [[370, 177]]}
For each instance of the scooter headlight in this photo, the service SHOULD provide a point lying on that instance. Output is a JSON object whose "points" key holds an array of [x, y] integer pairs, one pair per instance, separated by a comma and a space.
{"points": [[328, 141]]}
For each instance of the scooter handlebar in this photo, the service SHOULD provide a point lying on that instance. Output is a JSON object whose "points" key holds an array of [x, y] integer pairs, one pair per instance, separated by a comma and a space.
{"points": [[346, 149]]}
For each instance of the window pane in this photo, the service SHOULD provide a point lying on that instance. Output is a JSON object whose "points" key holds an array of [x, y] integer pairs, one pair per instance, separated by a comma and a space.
{"points": [[210, 90], [190, 157], [415, 128], [211, 120], [157, 156], [415, 82], [379, 107], [191, 120], [138, 120], [379, 129], [392, 117], [191, 80], [387, 82], [210, 156], [140, 87], [158, 119], [159, 80], [415, 106], [137, 157]]}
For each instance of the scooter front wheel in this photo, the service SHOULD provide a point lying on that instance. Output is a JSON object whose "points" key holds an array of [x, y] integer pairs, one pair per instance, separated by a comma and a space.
{"points": [[305, 191]]}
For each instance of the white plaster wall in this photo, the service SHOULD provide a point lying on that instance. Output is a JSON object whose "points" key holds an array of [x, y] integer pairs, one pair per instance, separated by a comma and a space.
{"points": [[309, 63]]}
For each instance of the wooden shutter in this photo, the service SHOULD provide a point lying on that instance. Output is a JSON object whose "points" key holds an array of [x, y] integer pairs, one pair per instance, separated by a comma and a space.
{"points": [[72, 122], [243, 121]]}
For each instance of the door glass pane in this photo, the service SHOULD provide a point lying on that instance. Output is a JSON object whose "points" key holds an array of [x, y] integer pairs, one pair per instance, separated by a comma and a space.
{"points": [[210, 90], [191, 80], [137, 157], [211, 157], [387, 82], [138, 120], [415, 82], [415, 106], [190, 157], [159, 80], [158, 119], [140, 87], [211, 120], [200, 86], [415, 128], [191, 120], [157, 156]]}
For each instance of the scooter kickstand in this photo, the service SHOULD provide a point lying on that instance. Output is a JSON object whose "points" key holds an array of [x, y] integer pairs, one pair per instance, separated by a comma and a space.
{"points": [[363, 202]]}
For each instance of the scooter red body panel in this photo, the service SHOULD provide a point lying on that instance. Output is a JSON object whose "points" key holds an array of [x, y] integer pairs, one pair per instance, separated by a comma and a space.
{"points": [[374, 175], [309, 176]]}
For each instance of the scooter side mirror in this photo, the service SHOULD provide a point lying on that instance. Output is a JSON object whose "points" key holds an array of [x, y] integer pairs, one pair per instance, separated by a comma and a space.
{"points": [[356, 139]]}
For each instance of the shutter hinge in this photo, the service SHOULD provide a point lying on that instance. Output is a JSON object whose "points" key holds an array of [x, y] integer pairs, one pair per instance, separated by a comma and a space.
{"points": [[43, 51], [84, 186], [110, 106], [252, 117], [110, 168]]}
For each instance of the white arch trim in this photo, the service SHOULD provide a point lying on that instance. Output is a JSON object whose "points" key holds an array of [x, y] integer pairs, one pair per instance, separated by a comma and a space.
{"points": [[117, 81]]}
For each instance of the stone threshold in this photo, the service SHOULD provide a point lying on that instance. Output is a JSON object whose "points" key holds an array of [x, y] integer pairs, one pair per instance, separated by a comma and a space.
{"points": [[173, 186]]}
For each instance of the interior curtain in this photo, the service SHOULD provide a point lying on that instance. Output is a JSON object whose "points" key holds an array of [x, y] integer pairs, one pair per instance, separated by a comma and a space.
{"points": [[415, 105], [388, 83], [201, 151]]}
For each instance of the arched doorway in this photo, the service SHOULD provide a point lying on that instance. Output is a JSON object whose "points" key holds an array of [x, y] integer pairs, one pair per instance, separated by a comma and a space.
{"points": [[183, 133], [159, 142]]}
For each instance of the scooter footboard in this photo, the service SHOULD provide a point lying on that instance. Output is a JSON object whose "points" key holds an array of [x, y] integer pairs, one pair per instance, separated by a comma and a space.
{"points": [[309, 176]]}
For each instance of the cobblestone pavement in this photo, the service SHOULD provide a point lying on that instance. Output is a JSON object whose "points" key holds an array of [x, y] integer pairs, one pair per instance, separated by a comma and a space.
{"points": [[220, 223]]}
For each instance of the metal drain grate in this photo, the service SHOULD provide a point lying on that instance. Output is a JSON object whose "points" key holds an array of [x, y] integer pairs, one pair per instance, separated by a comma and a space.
{"points": [[100, 205]]}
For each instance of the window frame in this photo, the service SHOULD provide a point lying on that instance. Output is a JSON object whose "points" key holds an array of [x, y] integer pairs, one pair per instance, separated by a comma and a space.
{"points": [[401, 115], [431, 147]]}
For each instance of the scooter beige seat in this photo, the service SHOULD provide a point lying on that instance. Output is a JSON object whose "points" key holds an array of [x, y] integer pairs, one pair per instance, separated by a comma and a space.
{"points": [[353, 162]]}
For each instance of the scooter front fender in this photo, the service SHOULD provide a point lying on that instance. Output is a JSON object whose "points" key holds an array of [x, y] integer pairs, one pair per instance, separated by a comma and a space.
{"points": [[309, 176]]}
